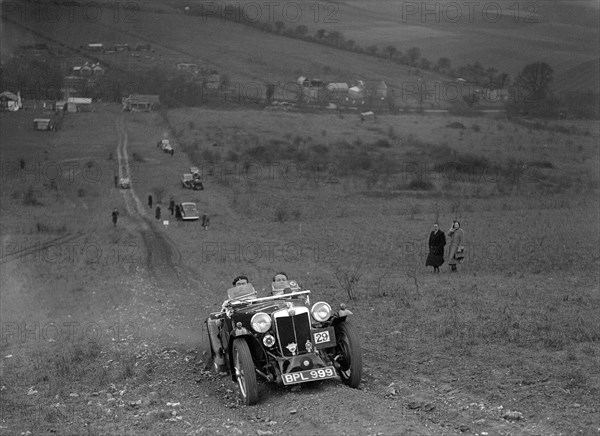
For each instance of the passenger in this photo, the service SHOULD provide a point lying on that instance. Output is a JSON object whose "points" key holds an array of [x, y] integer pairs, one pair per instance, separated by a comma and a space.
{"points": [[278, 285]]}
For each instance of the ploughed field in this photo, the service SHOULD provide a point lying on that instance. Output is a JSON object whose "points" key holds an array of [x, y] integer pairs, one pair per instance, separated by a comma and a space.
{"points": [[103, 326]]}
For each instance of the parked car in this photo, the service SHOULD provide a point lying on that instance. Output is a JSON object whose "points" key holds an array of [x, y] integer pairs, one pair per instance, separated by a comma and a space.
{"points": [[190, 182], [282, 339], [195, 171], [189, 211], [165, 145], [124, 183]]}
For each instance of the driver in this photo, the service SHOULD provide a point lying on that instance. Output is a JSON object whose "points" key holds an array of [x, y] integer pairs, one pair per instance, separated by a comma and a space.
{"points": [[240, 280]]}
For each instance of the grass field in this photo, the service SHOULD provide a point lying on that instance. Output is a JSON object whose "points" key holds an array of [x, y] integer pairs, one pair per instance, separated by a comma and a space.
{"points": [[102, 325], [515, 327]]}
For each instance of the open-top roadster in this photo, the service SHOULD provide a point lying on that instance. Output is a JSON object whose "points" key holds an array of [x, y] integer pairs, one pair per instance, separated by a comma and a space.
{"points": [[283, 339], [190, 181]]}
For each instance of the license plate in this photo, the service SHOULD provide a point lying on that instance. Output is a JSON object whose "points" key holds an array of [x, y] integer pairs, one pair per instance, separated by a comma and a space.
{"points": [[309, 375], [324, 338]]}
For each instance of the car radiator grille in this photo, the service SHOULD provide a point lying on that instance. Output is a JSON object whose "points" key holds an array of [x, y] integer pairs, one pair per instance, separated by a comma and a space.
{"points": [[293, 329]]}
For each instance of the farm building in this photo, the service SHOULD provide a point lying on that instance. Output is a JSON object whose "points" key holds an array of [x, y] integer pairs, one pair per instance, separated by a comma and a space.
{"points": [[302, 81], [10, 102], [121, 47], [139, 102], [60, 105], [95, 47], [142, 47], [337, 87], [42, 124], [85, 70], [311, 89], [97, 70], [357, 91], [186, 66], [79, 104]]}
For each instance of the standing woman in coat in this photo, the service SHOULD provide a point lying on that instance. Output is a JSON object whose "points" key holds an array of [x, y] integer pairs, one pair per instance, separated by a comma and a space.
{"points": [[456, 252], [437, 242]]}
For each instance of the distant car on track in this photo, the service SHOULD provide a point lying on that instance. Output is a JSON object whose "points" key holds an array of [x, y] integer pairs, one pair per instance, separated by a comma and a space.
{"points": [[189, 211], [124, 183], [190, 182], [165, 145]]}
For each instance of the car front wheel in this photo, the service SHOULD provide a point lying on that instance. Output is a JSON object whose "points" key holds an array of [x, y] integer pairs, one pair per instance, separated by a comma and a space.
{"points": [[349, 354], [245, 372]]}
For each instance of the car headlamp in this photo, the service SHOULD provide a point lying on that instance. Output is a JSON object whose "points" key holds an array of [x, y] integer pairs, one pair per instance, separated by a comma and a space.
{"points": [[321, 311], [261, 322]]}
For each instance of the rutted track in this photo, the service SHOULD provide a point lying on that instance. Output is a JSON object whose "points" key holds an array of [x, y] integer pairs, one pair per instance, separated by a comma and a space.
{"points": [[163, 258]]}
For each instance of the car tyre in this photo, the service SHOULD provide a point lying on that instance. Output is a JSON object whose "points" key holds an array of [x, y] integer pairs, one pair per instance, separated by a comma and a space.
{"points": [[245, 372], [350, 354]]}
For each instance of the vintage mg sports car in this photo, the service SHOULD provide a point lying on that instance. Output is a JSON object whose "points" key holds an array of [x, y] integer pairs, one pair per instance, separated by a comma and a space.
{"points": [[283, 339]]}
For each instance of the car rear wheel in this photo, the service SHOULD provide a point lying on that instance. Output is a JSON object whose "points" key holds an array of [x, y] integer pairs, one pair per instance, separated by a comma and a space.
{"points": [[349, 354], [245, 372]]}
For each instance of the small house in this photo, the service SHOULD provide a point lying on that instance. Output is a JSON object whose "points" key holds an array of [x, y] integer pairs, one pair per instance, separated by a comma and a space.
{"points": [[11, 102], [95, 47], [142, 47], [42, 124], [97, 70], [85, 70], [367, 116], [303, 81], [79, 104], [140, 102], [121, 47], [338, 87], [187, 66]]}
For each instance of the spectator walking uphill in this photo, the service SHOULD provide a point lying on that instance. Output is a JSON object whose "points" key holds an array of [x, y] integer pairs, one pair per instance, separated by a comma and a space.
{"points": [[115, 215], [157, 212], [437, 242], [456, 252], [150, 201], [172, 205], [205, 221]]}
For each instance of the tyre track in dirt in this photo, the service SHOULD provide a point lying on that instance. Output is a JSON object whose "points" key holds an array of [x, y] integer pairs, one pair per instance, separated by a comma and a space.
{"points": [[19, 254], [163, 259]]}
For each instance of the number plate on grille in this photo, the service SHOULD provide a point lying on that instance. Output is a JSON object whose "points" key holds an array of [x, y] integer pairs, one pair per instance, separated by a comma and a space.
{"points": [[309, 375]]}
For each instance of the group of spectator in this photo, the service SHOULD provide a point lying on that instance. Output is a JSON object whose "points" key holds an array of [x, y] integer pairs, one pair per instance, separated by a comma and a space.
{"points": [[437, 243]]}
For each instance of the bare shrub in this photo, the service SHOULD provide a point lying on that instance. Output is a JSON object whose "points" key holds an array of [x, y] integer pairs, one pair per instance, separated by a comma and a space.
{"points": [[348, 278]]}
